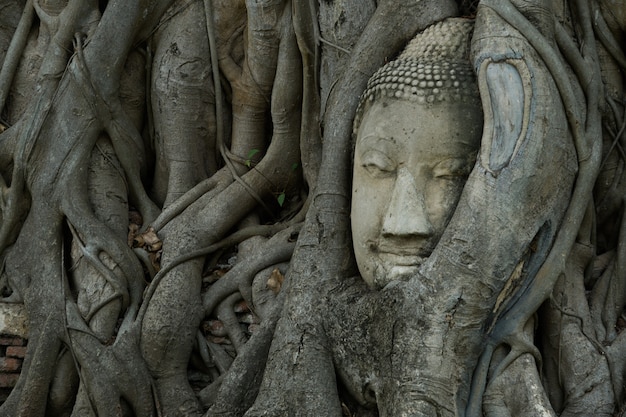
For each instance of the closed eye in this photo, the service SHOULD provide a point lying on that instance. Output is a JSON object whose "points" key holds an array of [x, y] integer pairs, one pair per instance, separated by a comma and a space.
{"points": [[377, 164], [452, 168]]}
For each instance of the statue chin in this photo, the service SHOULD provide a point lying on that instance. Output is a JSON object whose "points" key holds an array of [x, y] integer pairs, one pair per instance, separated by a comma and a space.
{"points": [[388, 271]]}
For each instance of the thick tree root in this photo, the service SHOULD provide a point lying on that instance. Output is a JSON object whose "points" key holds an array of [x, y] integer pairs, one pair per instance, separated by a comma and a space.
{"points": [[14, 53], [111, 373], [127, 278], [239, 279], [239, 387]]}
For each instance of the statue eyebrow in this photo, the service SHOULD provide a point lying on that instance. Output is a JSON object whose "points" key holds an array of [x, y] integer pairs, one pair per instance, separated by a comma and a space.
{"points": [[376, 138]]}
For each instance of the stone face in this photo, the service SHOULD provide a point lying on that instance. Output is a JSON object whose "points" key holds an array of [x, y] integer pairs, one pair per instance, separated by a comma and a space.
{"points": [[13, 320], [411, 162]]}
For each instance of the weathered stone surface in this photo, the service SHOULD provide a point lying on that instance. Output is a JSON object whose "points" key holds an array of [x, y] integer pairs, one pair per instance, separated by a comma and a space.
{"points": [[13, 320]]}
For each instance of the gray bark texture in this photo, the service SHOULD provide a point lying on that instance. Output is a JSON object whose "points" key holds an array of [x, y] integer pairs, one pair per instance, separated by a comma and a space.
{"points": [[175, 213]]}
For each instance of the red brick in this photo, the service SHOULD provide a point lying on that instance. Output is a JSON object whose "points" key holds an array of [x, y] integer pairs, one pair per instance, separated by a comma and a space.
{"points": [[8, 380], [16, 351], [10, 364], [12, 341]]}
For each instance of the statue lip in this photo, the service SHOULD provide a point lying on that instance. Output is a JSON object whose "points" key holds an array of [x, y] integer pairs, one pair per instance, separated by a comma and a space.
{"points": [[402, 254], [401, 257]]}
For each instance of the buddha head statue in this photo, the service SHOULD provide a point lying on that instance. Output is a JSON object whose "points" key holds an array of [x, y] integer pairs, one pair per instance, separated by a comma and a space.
{"points": [[418, 128]]}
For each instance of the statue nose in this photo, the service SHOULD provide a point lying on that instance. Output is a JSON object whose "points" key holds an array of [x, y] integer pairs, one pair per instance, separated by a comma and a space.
{"points": [[406, 213]]}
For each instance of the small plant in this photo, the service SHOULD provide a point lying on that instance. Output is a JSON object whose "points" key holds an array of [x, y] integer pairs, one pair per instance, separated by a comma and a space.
{"points": [[281, 197], [249, 161]]}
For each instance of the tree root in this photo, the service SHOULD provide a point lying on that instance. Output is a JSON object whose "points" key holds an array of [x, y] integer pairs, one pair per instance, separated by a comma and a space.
{"points": [[306, 31], [127, 143], [8, 145], [13, 200], [31, 128], [64, 384], [29, 397], [14, 53], [185, 128], [227, 316], [111, 373], [209, 187], [588, 148], [100, 239], [211, 356], [239, 279], [92, 254], [240, 386], [605, 36], [126, 140]]}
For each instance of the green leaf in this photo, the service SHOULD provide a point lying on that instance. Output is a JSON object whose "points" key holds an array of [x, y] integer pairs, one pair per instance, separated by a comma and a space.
{"points": [[281, 199], [250, 155]]}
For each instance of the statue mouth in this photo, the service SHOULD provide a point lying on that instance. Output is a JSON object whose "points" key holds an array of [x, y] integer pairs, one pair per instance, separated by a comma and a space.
{"points": [[394, 267], [401, 262], [401, 254], [396, 260], [401, 259]]}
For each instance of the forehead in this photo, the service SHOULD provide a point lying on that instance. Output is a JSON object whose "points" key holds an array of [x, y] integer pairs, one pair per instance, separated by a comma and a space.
{"points": [[441, 124]]}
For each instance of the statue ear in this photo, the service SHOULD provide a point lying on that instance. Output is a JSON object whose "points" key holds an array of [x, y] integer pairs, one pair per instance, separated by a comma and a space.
{"points": [[506, 95]]}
